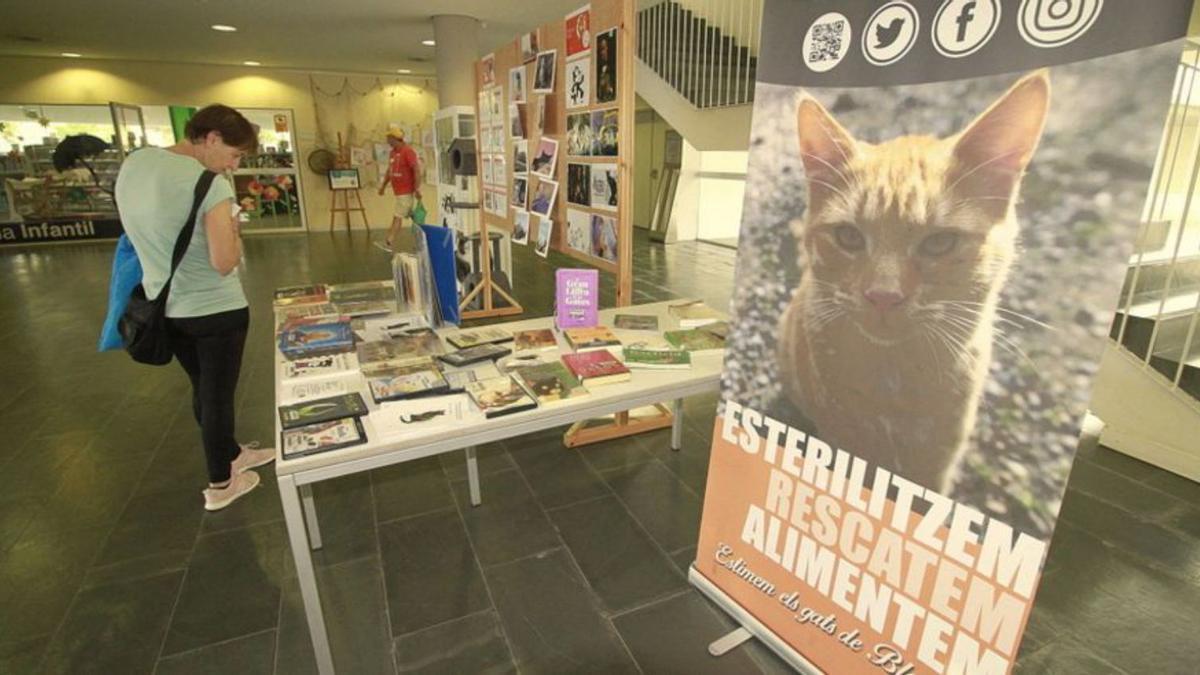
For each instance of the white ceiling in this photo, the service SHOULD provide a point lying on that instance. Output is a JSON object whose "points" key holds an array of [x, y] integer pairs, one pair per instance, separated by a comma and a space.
{"points": [[378, 36]]}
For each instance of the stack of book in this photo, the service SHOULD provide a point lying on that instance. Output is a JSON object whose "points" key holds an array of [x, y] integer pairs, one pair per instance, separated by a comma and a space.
{"points": [[697, 340], [415, 378], [465, 339], [417, 344], [655, 353], [364, 298], [598, 367], [473, 355], [300, 295], [534, 340], [549, 383], [497, 396], [321, 425]]}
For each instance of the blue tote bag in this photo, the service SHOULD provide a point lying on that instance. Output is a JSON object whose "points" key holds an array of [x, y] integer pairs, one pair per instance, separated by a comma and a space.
{"points": [[126, 275]]}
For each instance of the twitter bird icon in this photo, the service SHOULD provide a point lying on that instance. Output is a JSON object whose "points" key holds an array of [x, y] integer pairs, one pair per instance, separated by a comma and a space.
{"points": [[886, 36], [890, 32]]}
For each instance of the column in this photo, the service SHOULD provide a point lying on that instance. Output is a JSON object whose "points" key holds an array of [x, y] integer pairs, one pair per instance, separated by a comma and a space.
{"points": [[457, 49]]}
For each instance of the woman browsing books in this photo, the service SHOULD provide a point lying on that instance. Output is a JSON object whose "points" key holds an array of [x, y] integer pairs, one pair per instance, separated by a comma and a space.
{"points": [[207, 312]]}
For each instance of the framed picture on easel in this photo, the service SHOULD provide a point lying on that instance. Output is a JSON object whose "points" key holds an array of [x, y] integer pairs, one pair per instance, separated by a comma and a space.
{"points": [[343, 179]]}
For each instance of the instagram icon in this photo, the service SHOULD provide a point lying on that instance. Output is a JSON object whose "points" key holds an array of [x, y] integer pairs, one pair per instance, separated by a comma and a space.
{"points": [[1054, 23]]}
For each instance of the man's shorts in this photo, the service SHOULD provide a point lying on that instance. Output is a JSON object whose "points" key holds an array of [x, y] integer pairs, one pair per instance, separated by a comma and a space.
{"points": [[404, 206]]}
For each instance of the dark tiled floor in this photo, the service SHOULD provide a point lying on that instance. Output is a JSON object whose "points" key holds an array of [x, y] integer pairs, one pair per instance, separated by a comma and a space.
{"points": [[576, 561]]}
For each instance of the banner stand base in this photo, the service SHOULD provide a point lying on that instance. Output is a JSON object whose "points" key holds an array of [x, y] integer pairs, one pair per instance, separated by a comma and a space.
{"points": [[750, 625], [724, 645]]}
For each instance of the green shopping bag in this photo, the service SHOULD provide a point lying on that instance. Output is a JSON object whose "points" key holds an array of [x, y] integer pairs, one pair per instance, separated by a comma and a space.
{"points": [[419, 213]]}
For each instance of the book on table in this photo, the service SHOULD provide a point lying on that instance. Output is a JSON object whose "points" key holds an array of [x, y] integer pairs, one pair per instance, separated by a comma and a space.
{"points": [[464, 339], [656, 353], [636, 322], [300, 291], [321, 437], [457, 380], [596, 337], [410, 379], [321, 313], [470, 355], [498, 396], [598, 367], [540, 339], [695, 340], [550, 383], [367, 291], [322, 410], [576, 298], [400, 418], [366, 308], [418, 343], [307, 390], [315, 339], [325, 365], [693, 314]]}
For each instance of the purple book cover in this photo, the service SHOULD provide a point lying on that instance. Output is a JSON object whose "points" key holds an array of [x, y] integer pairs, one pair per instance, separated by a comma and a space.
{"points": [[577, 298]]}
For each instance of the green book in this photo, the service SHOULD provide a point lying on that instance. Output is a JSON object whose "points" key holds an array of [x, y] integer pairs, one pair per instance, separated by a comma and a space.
{"points": [[637, 357], [694, 340]]}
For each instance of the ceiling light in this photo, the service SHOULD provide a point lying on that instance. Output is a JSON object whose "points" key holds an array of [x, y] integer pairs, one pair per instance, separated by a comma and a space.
{"points": [[223, 28], [404, 71], [71, 55], [251, 63], [428, 43]]}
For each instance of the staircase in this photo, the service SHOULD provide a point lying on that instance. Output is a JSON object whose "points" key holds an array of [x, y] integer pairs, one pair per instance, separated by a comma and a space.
{"points": [[704, 49], [1163, 326]]}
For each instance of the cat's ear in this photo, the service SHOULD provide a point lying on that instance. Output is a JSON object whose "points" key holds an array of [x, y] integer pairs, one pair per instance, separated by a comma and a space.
{"points": [[991, 154], [825, 148]]}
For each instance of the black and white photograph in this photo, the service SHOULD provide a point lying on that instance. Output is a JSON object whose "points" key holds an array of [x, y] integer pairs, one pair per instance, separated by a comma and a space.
{"points": [[545, 229], [516, 120], [543, 111], [543, 77], [604, 132], [579, 184], [529, 46], [606, 66], [520, 192], [517, 84], [520, 232], [520, 158], [604, 186], [579, 231], [578, 82]]}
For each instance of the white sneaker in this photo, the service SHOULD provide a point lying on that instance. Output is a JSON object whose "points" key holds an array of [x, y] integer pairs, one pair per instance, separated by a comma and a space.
{"points": [[252, 456], [216, 499]]}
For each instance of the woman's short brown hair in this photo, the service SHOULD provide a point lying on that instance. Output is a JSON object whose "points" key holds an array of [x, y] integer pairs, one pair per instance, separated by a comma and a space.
{"points": [[236, 131]]}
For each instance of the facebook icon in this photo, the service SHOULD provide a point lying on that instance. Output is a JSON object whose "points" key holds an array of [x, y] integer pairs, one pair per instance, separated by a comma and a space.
{"points": [[965, 14], [963, 27]]}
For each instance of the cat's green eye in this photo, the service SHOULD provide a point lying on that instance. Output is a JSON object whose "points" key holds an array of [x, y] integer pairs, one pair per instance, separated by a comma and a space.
{"points": [[849, 237], [938, 244]]}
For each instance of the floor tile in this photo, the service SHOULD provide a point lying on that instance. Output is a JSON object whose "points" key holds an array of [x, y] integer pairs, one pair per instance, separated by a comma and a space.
{"points": [[250, 655], [431, 573], [232, 588], [660, 501], [684, 558], [1177, 486], [409, 489], [1065, 656], [260, 506], [617, 557], [153, 524], [294, 652], [346, 516], [491, 458], [472, 644], [116, 628], [23, 657], [553, 625], [557, 474], [1119, 491], [615, 454], [672, 636], [508, 524]]}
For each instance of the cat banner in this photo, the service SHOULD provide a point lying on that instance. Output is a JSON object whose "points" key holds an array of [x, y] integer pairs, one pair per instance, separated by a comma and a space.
{"points": [[941, 203]]}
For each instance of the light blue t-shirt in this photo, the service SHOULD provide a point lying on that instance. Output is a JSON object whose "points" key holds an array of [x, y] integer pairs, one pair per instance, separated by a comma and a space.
{"points": [[154, 195]]}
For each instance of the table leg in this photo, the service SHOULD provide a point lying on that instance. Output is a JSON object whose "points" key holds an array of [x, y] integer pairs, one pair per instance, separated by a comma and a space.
{"points": [[677, 425], [289, 494], [310, 517], [473, 476]]}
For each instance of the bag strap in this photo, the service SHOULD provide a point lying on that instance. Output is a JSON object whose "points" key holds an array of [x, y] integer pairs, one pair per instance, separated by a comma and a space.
{"points": [[185, 235]]}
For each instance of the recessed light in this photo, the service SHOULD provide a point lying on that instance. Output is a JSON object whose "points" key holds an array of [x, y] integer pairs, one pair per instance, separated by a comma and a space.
{"points": [[223, 28], [404, 71], [428, 43], [71, 55], [251, 63]]}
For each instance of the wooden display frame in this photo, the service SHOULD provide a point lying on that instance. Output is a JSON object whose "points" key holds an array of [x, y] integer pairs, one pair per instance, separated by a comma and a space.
{"points": [[492, 73]]}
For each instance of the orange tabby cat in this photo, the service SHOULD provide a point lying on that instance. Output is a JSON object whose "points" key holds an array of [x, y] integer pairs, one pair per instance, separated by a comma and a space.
{"points": [[905, 245]]}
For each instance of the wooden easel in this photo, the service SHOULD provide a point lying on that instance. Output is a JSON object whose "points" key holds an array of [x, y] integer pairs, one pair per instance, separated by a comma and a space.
{"points": [[343, 162], [334, 209]]}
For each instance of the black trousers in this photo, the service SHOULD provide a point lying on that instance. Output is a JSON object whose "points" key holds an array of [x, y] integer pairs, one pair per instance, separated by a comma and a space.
{"points": [[210, 349]]}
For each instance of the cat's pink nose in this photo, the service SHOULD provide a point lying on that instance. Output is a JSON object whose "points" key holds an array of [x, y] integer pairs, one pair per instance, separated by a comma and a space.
{"points": [[882, 299]]}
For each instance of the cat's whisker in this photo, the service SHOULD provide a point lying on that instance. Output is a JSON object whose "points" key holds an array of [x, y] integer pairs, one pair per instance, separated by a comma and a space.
{"points": [[1005, 310], [833, 188], [839, 172]]}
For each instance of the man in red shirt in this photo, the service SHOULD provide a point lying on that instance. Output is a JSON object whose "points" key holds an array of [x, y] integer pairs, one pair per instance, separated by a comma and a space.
{"points": [[404, 173]]}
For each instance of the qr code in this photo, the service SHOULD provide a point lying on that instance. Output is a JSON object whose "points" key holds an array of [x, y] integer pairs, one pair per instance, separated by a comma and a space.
{"points": [[826, 41]]}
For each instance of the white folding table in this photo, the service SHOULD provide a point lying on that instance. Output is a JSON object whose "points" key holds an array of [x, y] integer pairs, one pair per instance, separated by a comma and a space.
{"points": [[296, 476]]}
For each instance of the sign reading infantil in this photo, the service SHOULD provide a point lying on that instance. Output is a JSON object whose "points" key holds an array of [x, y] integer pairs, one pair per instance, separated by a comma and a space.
{"points": [[941, 202], [59, 229]]}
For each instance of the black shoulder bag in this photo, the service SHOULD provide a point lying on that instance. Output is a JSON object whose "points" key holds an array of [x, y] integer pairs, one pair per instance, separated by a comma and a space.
{"points": [[143, 326]]}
